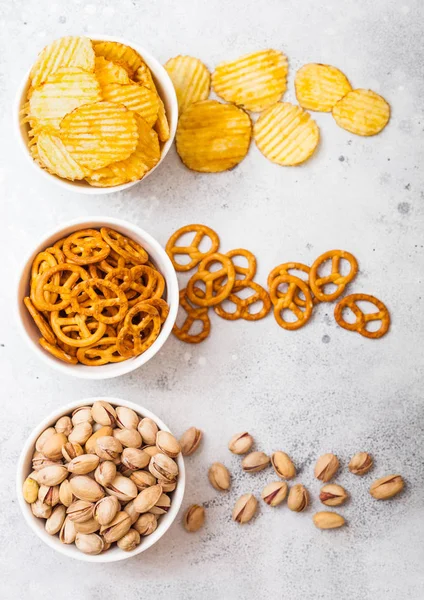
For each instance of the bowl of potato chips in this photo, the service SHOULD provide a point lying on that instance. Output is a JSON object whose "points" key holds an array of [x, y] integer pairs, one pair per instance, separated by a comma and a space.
{"points": [[96, 115]]}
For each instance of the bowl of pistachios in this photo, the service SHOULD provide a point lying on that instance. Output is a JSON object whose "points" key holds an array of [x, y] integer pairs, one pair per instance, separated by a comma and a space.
{"points": [[101, 479]]}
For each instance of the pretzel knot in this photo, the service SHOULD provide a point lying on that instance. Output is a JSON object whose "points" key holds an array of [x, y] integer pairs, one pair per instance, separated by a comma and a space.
{"points": [[125, 247], [141, 327], [76, 331], [56, 281], [193, 315], [286, 301], [317, 283], [196, 255], [85, 247], [243, 304], [286, 269], [362, 319], [215, 291], [103, 352], [97, 305]]}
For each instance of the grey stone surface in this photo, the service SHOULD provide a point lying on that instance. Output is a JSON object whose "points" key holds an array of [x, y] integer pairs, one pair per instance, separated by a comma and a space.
{"points": [[307, 392]]}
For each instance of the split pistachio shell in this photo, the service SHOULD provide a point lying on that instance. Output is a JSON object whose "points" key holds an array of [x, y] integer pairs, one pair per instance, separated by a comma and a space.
{"points": [[52, 448], [30, 490], [360, 463], [81, 465], [163, 468], [41, 510], [134, 458], [106, 509], [283, 465], [130, 510], [145, 524], [105, 473], [219, 476], [41, 440], [142, 479], [194, 518], [81, 433], [126, 418], [147, 498], [129, 438], [49, 494], [190, 440], [387, 487], [274, 493], [66, 496], [90, 445], [333, 495], [117, 528], [326, 467], [82, 414], [68, 532], [254, 462], [298, 499], [245, 508], [168, 487], [85, 488], [55, 521], [89, 543], [240, 443], [328, 520], [80, 511], [129, 541], [108, 447], [71, 450], [123, 488], [39, 461], [64, 425], [148, 429], [162, 505], [168, 444], [151, 450], [52, 475], [103, 413], [89, 526]]}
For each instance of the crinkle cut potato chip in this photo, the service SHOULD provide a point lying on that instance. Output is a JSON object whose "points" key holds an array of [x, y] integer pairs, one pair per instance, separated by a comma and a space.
{"points": [[319, 87], [99, 134], [362, 112], [144, 76], [191, 79], [63, 91], [135, 97], [119, 53], [107, 72], [69, 51], [162, 125], [254, 81], [54, 157], [286, 134], [142, 160], [212, 136]]}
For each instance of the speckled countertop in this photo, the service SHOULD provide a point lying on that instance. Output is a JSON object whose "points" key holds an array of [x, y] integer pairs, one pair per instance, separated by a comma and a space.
{"points": [[316, 390]]}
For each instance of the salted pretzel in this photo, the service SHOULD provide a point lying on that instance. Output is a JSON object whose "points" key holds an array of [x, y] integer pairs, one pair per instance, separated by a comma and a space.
{"points": [[317, 283], [124, 246], [47, 282], [57, 352], [161, 306], [286, 301], [85, 247], [85, 336], [215, 291], [105, 351], [286, 269], [96, 305], [40, 321], [242, 273], [243, 304], [192, 250], [362, 319], [193, 315], [141, 319]]}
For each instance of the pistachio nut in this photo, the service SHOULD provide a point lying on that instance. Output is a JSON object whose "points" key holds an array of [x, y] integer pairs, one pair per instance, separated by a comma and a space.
{"points": [[283, 465], [274, 493], [117, 528], [123, 488], [168, 487], [148, 429], [360, 463], [151, 450], [90, 445], [41, 510], [82, 414], [333, 495], [168, 444], [103, 413], [134, 458], [81, 433], [145, 524], [163, 467], [52, 448], [105, 473], [80, 511], [240, 443], [126, 418], [194, 518], [147, 498], [71, 450], [130, 438], [90, 543], [33, 475], [68, 532], [81, 465], [328, 520], [387, 487], [219, 476], [245, 508], [129, 541], [254, 462], [66, 496], [52, 475], [39, 461], [298, 498], [123, 470], [55, 521], [85, 488], [89, 526], [326, 467], [129, 509], [105, 509], [41, 440], [49, 494], [30, 490], [190, 441], [143, 479], [64, 425], [108, 447], [162, 505]]}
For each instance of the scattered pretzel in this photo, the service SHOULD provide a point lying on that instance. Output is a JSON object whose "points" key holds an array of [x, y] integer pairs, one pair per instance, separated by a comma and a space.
{"points": [[192, 250], [317, 283], [193, 314], [285, 269], [214, 292], [362, 319], [286, 301], [242, 304]]}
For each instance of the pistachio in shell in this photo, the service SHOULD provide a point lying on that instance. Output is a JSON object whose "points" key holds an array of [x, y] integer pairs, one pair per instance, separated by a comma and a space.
{"points": [[52, 475], [274, 493], [105, 473], [147, 498], [85, 488], [162, 505], [41, 510], [298, 498], [148, 429], [190, 440], [64, 425], [326, 467], [90, 444], [240, 443], [81, 433], [55, 521], [123, 488], [117, 528], [30, 490], [80, 511], [129, 438], [143, 479], [254, 462], [49, 494], [387, 487], [360, 463], [129, 541], [81, 465], [66, 497], [333, 494], [126, 418], [168, 444], [68, 532], [90, 543], [135, 458], [104, 414], [108, 447], [328, 520], [194, 518], [82, 414], [52, 448], [245, 508], [163, 467], [219, 477], [43, 437], [146, 523], [71, 450], [283, 465]]}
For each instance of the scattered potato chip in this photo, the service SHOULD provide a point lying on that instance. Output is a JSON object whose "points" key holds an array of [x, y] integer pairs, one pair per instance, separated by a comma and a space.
{"points": [[212, 136], [362, 112], [107, 72], [63, 91], [135, 97], [319, 87], [69, 51], [98, 134], [144, 76], [286, 134], [162, 125], [119, 53], [254, 81], [56, 159], [191, 79]]}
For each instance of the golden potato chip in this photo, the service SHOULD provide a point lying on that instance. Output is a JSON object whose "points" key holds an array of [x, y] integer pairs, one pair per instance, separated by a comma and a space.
{"points": [[362, 112], [63, 91], [69, 51], [254, 81], [135, 97], [142, 160], [56, 159], [162, 125], [119, 53], [144, 76], [191, 79], [96, 135], [286, 134], [107, 72], [212, 136], [319, 87]]}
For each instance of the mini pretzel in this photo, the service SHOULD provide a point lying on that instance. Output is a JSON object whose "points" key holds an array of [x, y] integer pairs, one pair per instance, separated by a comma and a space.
{"points": [[97, 305], [40, 321], [117, 275], [47, 282], [129, 249], [147, 283], [193, 315], [192, 250], [243, 304], [286, 301], [284, 269], [85, 247], [360, 325], [161, 306], [78, 324], [57, 352], [105, 351], [43, 261], [317, 283], [141, 319], [214, 292], [248, 272]]}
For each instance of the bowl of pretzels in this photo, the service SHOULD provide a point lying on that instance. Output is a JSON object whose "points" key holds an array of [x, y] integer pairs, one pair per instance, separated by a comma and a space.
{"points": [[97, 298]]}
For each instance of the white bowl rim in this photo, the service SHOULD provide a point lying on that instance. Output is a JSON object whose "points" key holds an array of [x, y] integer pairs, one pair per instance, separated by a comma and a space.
{"points": [[124, 367], [70, 550], [170, 97]]}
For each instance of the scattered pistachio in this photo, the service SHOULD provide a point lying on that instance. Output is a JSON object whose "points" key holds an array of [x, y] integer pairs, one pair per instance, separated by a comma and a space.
{"points": [[275, 492], [360, 463], [387, 487], [245, 508], [190, 441], [240, 443], [326, 467], [298, 498], [219, 476], [328, 520], [333, 495], [254, 462], [283, 465], [194, 518]]}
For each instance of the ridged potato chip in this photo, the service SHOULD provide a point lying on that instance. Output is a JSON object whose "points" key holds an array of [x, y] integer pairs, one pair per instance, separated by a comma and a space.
{"points": [[162, 125], [69, 51], [107, 72], [99, 134], [63, 91], [135, 97], [254, 81], [119, 53], [142, 160], [286, 134], [212, 136], [362, 112], [56, 159], [319, 87], [144, 76], [191, 79]]}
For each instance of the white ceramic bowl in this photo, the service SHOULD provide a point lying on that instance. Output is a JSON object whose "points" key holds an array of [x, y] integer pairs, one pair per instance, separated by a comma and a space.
{"points": [[159, 258], [165, 89], [37, 525]]}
